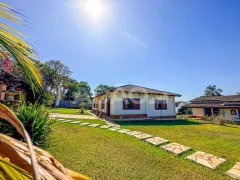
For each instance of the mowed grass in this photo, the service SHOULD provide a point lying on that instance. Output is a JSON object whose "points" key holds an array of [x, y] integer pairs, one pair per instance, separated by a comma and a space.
{"points": [[106, 155], [66, 111], [92, 121], [222, 141]]}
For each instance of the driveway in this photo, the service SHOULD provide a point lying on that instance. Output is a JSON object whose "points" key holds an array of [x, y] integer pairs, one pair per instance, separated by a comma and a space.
{"points": [[57, 115]]}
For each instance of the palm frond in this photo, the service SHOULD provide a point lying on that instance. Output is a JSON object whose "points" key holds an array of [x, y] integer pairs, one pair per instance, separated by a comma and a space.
{"points": [[19, 49]]}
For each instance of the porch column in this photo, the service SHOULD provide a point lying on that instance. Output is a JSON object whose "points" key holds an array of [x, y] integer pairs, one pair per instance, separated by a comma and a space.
{"points": [[212, 111]]}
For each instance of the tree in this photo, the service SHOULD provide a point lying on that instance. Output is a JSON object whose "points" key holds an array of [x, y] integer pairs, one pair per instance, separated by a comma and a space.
{"points": [[56, 76], [101, 89], [212, 90], [184, 110]]}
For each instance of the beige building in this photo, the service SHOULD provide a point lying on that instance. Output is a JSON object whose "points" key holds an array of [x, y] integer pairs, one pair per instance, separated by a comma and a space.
{"points": [[229, 106], [132, 101]]}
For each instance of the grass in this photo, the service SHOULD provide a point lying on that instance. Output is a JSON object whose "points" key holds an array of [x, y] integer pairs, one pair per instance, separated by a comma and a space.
{"points": [[222, 141], [93, 121], [103, 154], [66, 111]]}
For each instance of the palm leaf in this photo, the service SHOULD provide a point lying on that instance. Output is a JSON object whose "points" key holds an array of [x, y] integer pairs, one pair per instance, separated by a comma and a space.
{"points": [[20, 50], [11, 171]]}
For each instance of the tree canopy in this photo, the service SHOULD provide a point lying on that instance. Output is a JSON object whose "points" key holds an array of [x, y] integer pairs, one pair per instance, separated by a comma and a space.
{"points": [[212, 90], [101, 89]]}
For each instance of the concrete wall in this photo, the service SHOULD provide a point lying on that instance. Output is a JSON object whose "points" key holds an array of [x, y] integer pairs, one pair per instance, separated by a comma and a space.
{"points": [[198, 112], [147, 104], [227, 113]]}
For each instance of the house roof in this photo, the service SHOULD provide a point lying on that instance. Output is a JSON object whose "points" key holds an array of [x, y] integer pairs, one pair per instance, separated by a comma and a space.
{"points": [[232, 98], [139, 89], [215, 101], [213, 105]]}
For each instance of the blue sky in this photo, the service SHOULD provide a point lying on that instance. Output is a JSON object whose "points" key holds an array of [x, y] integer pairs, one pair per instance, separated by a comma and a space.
{"points": [[178, 46]]}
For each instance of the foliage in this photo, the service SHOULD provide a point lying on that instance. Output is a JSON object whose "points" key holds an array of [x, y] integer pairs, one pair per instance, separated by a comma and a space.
{"points": [[82, 106], [47, 98], [77, 90], [11, 171], [184, 110], [34, 118], [13, 46], [212, 90], [218, 119], [102, 88]]}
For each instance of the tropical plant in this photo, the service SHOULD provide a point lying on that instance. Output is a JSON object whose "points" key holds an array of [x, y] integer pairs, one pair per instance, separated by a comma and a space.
{"points": [[82, 106], [212, 90], [13, 46], [34, 118]]}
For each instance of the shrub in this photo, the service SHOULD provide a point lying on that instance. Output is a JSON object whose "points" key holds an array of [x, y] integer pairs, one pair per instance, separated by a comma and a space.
{"points": [[218, 119], [82, 106], [34, 118]]}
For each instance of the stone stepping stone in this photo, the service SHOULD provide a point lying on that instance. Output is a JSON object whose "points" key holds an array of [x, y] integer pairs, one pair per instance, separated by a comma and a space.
{"points": [[105, 126], [132, 133], [175, 148], [142, 136], [114, 128], [235, 171], [75, 122], [156, 141], [123, 130], [94, 125], [85, 124], [205, 159]]}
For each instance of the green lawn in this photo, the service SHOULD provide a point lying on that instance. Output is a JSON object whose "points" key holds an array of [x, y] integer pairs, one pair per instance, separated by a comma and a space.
{"points": [[93, 121], [104, 154], [66, 111], [222, 141]]}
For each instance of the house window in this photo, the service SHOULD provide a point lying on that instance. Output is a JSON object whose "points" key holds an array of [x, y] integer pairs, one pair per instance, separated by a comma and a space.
{"points": [[102, 104], [131, 103], [160, 104], [233, 112]]}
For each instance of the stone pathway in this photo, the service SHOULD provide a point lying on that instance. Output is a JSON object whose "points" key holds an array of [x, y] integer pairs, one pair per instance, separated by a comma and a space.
{"points": [[176, 148], [235, 171], [205, 159], [199, 157], [156, 141]]}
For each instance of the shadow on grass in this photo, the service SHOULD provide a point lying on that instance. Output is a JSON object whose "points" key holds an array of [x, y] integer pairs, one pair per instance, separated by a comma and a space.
{"points": [[156, 122]]}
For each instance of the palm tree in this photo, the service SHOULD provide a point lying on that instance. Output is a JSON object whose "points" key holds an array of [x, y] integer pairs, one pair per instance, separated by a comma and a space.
{"points": [[212, 90]]}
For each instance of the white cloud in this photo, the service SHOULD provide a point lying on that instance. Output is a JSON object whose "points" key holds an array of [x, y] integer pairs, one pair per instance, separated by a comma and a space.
{"points": [[134, 39]]}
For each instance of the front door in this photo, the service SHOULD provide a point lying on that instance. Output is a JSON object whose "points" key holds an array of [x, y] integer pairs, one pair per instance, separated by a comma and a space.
{"points": [[108, 106], [208, 111], [239, 112]]}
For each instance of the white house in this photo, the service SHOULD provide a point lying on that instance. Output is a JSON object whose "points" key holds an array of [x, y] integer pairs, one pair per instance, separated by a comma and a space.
{"points": [[229, 106], [130, 101], [179, 105]]}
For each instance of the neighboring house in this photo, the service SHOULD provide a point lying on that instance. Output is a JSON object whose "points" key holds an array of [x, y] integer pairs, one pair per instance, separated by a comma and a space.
{"points": [[11, 85], [132, 101], [229, 106], [179, 105]]}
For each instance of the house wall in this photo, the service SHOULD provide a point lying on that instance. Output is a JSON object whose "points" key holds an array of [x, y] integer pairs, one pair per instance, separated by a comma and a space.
{"points": [[198, 112], [227, 113], [147, 106]]}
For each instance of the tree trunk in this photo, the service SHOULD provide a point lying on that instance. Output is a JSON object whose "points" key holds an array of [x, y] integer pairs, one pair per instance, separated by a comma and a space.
{"points": [[58, 97]]}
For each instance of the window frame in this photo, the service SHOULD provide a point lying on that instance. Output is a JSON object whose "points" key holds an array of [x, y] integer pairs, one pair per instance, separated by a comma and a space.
{"points": [[156, 100], [132, 100], [233, 110]]}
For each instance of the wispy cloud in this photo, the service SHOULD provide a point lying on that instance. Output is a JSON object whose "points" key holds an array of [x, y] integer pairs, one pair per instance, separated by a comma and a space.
{"points": [[134, 39]]}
